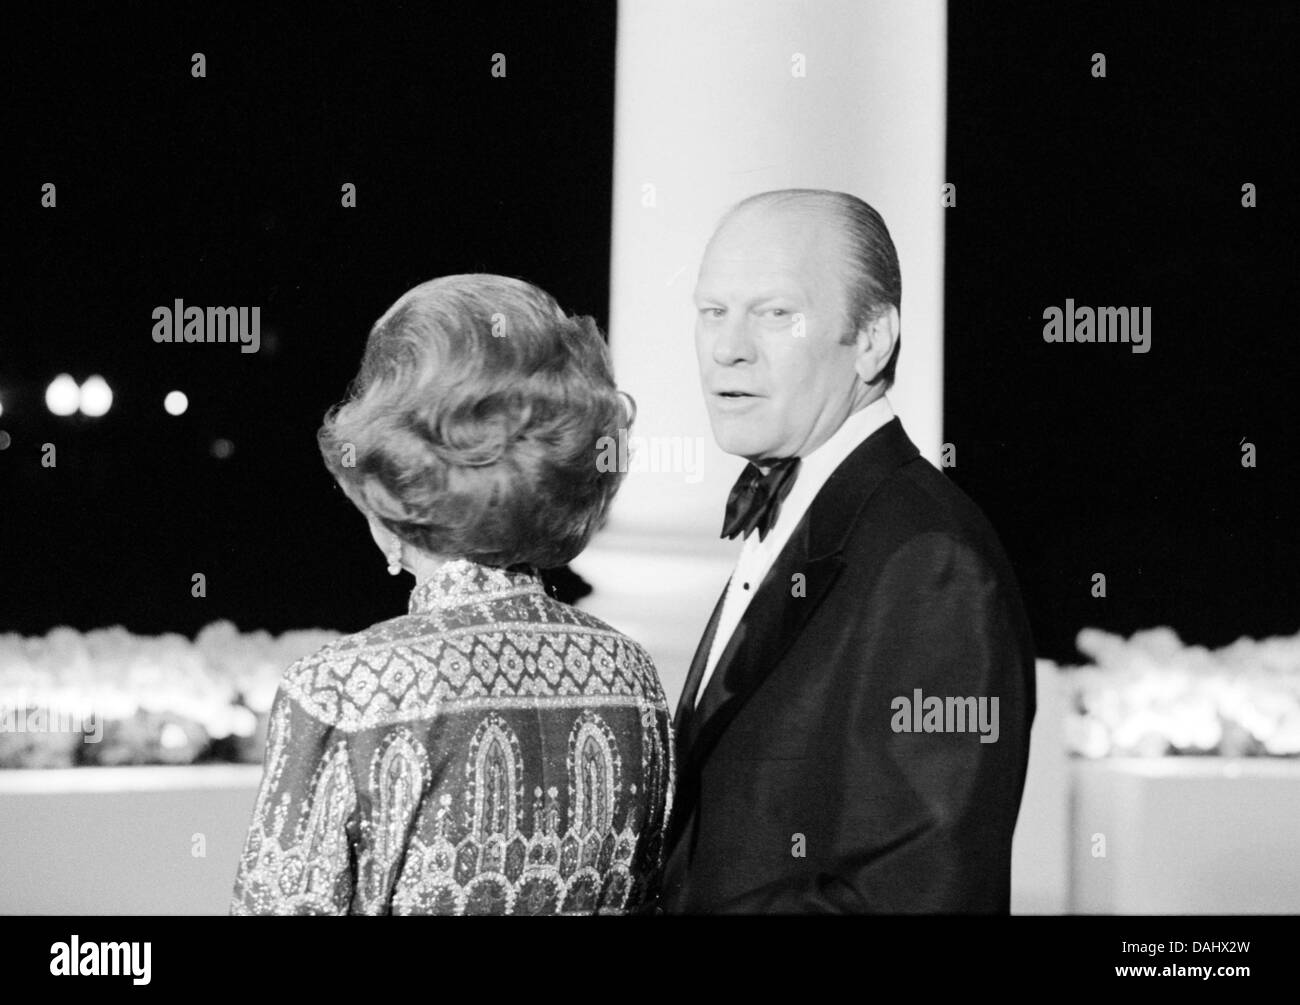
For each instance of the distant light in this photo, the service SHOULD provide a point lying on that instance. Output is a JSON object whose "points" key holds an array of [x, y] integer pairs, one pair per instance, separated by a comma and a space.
{"points": [[96, 396], [222, 449], [2, 408], [172, 737], [176, 402], [63, 395], [4, 440]]}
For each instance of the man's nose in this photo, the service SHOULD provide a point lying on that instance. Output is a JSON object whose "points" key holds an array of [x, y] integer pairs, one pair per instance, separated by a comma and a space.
{"points": [[733, 342]]}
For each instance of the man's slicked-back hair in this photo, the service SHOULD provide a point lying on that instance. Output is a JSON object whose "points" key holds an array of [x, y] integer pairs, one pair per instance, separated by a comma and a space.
{"points": [[872, 280]]}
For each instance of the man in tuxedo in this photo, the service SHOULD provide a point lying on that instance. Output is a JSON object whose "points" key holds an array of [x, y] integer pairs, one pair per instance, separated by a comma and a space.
{"points": [[854, 730]]}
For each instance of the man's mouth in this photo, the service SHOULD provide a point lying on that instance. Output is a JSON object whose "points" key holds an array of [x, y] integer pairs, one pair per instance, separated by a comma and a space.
{"points": [[733, 401]]}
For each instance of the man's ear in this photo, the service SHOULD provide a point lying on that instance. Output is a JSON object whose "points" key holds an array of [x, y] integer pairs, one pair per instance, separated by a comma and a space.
{"points": [[876, 341]]}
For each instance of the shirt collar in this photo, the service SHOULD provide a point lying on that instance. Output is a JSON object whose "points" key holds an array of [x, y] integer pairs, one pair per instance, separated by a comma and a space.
{"points": [[464, 581], [816, 468], [822, 462]]}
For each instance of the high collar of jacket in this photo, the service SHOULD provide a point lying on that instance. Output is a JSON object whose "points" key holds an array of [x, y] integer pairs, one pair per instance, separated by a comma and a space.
{"points": [[464, 581]]}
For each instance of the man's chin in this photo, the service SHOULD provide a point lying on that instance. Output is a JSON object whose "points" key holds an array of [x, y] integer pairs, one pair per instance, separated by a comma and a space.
{"points": [[741, 443]]}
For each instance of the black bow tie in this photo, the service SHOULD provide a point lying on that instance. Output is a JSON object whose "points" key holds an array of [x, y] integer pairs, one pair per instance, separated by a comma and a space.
{"points": [[755, 499]]}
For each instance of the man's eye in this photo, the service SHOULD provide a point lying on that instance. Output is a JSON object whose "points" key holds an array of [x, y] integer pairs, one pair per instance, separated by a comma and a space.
{"points": [[777, 312], [711, 312]]}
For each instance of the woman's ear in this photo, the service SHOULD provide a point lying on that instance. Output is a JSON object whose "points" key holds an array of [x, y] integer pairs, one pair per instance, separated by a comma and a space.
{"points": [[383, 537], [876, 341]]}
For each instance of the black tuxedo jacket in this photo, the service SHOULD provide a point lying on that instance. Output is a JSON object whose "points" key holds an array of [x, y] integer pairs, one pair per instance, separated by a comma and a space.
{"points": [[804, 783]]}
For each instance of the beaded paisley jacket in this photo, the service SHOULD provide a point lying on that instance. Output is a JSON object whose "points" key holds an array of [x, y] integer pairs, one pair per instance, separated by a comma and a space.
{"points": [[493, 751]]}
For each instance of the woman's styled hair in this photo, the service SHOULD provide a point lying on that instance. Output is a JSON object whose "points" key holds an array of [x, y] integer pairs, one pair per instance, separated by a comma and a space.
{"points": [[474, 425]]}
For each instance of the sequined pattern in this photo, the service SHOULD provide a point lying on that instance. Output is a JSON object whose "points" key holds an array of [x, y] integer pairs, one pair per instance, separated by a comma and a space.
{"points": [[493, 751]]}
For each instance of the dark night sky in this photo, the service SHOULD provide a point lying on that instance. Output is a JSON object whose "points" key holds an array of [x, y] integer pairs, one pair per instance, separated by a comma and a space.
{"points": [[227, 191], [1123, 191]]}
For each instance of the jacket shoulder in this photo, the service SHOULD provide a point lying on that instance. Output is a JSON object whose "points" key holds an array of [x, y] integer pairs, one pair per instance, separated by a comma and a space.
{"points": [[630, 657], [406, 666], [320, 679], [919, 503]]}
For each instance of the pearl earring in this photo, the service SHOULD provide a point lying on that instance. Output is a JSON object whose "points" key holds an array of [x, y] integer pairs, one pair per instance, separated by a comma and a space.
{"points": [[395, 557]]}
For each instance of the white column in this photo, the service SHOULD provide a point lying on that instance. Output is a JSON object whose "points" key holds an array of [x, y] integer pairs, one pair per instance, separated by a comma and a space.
{"points": [[717, 100]]}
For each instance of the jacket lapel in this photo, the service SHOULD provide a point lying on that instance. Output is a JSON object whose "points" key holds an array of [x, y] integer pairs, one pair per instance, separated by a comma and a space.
{"points": [[779, 611], [771, 623], [686, 702]]}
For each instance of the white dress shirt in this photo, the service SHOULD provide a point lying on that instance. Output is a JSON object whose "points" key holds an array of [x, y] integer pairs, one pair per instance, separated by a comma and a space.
{"points": [[756, 557]]}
